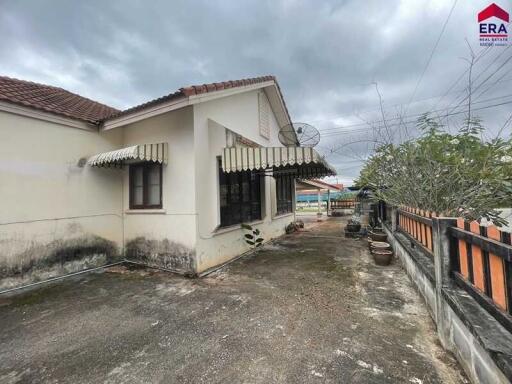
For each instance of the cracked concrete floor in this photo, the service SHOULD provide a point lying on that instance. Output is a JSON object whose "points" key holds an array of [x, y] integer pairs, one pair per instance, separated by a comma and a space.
{"points": [[310, 307]]}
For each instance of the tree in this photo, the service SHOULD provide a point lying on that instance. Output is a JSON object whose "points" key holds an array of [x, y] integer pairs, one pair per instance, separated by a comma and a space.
{"points": [[453, 174]]}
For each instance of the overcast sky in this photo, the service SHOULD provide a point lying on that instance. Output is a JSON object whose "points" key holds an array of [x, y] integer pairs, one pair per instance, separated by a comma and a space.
{"points": [[326, 56]]}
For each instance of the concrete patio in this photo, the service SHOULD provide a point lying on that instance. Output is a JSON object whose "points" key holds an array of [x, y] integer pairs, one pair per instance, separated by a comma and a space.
{"points": [[309, 307]]}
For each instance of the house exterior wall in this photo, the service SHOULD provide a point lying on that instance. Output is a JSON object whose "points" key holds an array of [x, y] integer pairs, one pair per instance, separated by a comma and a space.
{"points": [[240, 114], [164, 238], [56, 217]]}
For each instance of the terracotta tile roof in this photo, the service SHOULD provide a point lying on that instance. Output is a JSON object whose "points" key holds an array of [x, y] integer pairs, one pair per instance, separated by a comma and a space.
{"points": [[52, 99], [59, 101], [192, 90]]}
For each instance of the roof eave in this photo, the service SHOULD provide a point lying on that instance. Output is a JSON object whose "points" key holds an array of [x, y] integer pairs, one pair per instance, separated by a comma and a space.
{"points": [[143, 114], [192, 99], [40, 114]]}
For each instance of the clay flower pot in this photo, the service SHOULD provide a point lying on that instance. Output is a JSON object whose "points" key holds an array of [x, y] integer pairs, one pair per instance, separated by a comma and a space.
{"points": [[382, 257], [379, 246], [378, 236]]}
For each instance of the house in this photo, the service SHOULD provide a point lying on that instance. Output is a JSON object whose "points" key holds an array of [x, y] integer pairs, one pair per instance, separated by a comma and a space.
{"points": [[166, 183]]}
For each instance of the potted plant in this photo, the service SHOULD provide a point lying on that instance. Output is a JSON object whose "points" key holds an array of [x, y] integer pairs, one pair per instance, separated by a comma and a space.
{"points": [[354, 224]]}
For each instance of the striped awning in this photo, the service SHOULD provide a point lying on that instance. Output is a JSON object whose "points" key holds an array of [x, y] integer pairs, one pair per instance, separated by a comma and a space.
{"points": [[142, 152], [301, 162]]}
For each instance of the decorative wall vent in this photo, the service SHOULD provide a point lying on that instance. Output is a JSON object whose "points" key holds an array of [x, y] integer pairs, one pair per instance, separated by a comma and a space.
{"points": [[264, 115]]}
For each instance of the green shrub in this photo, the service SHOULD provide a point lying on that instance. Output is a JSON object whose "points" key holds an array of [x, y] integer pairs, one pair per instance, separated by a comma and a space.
{"points": [[457, 174]]}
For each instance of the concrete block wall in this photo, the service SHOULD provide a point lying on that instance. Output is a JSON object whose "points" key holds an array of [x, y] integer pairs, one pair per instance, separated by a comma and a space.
{"points": [[425, 287], [455, 336], [474, 359]]}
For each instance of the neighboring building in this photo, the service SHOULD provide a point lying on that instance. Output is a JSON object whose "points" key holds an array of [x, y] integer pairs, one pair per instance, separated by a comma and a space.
{"points": [[166, 183], [309, 191], [317, 191]]}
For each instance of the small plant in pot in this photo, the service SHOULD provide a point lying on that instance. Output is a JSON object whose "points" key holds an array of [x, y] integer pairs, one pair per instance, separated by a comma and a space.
{"points": [[354, 224]]}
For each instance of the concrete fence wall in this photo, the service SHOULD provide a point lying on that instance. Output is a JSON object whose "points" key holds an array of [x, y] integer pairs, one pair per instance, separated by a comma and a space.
{"points": [[481, 345]]}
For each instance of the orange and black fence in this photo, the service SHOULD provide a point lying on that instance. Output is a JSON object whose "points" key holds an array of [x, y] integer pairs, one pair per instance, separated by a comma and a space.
{"points": [[480, 257], [484, 268], [418, 225]]}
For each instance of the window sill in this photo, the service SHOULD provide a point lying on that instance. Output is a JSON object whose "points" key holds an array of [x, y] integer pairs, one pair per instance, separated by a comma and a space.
{"points": [[231, 228], [157, 211], [282, 215]]}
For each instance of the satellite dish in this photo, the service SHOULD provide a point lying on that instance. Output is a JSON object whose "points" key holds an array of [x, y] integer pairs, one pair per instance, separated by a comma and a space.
{"points": [[303, 134]]}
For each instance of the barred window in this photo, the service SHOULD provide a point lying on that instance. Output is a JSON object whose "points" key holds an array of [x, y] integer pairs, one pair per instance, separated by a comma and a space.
{"points": [[240, 197], [284, 194]]}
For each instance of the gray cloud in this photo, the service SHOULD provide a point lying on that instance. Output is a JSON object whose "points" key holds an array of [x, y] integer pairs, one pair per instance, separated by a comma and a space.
{"points": [[325, 54]]}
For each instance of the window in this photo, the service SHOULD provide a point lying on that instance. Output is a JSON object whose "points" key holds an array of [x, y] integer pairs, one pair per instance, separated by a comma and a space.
{"points": [[240, 197], [145, 186], [284, 194]]}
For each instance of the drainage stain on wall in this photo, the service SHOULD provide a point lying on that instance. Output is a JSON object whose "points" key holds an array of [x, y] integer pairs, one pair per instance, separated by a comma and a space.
{"points": [[43, 261], [161, 253]]}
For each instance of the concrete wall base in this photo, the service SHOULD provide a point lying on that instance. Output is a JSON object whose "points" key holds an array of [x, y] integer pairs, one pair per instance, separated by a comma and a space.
{"points": [[483, 354]]}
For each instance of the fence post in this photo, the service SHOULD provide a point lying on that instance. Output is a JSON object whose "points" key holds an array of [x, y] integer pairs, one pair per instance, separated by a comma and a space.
{"points": [[443, 247], [394, 218]]}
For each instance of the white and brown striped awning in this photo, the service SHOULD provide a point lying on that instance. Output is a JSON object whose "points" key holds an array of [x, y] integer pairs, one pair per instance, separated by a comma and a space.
{"points": [[143, 152], [301, 162]]}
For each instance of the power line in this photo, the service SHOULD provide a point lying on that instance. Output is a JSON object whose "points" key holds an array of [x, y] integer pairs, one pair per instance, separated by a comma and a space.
{"points": [[480, 74], [341, 129], [480, 55], [414, 121], [483, 81], [500, 80], [491, 84], [505, 125], [431, 55]]}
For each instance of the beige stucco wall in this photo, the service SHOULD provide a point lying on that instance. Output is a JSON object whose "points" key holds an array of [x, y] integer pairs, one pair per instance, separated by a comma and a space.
{"points": [[238, 113], [165, 237], [48, 204]]}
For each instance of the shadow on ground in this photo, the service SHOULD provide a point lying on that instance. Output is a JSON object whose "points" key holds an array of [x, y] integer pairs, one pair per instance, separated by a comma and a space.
{"points": [[310, 307]]}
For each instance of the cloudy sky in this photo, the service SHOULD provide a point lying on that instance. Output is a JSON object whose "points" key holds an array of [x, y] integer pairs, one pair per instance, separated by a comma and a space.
{"points": [[327, 55]]}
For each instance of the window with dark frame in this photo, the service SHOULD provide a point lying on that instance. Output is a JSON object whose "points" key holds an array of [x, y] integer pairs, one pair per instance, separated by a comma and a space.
{"points": [[240, 197], [284, 194], [145, 186]]}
